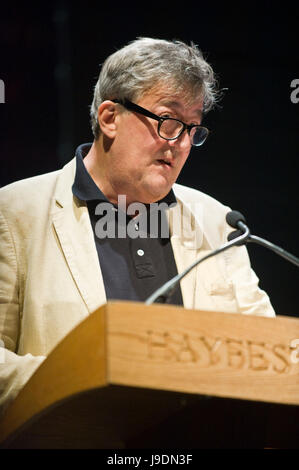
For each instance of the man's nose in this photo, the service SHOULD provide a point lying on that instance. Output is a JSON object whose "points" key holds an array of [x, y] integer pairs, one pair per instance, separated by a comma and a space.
{"points": [[183, 142]]}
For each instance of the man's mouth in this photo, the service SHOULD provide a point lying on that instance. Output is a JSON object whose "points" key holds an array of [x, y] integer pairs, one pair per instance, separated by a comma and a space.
{"points": [[165, 162]]}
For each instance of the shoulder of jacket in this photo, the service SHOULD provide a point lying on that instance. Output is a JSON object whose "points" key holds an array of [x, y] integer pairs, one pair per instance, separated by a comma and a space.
{"points": [[31, 191], [26, 185]]}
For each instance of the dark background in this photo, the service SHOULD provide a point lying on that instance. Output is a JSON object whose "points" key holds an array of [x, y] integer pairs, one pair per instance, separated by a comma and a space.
{"points": [[50, 59]]}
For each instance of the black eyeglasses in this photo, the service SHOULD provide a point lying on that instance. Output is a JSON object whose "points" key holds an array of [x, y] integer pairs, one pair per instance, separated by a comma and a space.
{"points": [[170, 128]]}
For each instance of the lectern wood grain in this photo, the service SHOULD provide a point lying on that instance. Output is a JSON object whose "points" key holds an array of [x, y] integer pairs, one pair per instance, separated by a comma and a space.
{"points": [[166, 348]]}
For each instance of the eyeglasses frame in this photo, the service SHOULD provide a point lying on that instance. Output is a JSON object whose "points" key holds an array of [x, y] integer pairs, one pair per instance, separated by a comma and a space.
{"points": [[145, 112]]}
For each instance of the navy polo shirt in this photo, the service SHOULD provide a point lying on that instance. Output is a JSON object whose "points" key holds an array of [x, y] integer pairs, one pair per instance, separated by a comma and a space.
{"points": [[133, 266]]}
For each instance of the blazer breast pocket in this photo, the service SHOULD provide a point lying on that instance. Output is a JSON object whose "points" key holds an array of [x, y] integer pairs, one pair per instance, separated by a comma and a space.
{"points": [[221, 288], [219, 295]]}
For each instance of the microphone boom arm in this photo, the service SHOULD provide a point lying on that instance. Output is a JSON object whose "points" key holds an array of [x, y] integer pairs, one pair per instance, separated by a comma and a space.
{"points": [[279, 251], [167, 289]]}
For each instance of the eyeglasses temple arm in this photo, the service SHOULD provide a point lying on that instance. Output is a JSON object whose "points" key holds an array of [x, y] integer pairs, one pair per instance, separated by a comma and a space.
{"points": [[134, 107]]}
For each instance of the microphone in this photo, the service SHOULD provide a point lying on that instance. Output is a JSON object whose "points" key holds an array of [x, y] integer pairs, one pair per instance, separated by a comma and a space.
{"points": [[237, 220], [166, 290]]}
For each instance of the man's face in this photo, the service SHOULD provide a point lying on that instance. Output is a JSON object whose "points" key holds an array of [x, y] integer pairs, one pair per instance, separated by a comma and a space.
{"points": [[142, 165]]}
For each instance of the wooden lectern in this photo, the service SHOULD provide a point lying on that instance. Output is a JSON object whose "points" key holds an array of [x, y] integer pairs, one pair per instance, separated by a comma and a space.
{"points": [[160, 376]]}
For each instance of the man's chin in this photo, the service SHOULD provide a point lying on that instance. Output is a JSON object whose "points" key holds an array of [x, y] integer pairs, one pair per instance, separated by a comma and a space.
{"points": [[155, 196]]}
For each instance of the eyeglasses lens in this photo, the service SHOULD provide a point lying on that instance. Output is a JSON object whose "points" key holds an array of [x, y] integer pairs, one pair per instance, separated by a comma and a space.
{"points": [[198, 135], [170, 128]]}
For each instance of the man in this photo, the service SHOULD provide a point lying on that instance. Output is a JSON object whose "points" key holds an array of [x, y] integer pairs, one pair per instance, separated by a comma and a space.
{"points": [[58, 265]]}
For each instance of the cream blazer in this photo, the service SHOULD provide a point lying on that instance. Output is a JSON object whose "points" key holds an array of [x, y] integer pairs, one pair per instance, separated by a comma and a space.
{"points": [[50, 276]]}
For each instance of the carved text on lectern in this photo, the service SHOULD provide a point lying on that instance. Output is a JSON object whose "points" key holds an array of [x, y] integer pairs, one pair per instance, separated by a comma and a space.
{"points": [[212, 352]]}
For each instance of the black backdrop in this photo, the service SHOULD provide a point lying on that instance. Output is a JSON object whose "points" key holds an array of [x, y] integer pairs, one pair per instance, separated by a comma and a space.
{"points": [[50, 57]]}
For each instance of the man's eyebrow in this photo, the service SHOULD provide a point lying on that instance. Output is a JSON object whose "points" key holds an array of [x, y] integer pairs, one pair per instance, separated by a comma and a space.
{"points": [[176, 104]]}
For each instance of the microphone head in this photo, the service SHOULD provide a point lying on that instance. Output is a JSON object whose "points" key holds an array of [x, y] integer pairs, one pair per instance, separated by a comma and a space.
{"points": [[233, 217], [236, 234]]}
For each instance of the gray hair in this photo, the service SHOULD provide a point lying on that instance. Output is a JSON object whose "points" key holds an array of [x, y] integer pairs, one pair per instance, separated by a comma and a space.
{"points": [[144, 63]]}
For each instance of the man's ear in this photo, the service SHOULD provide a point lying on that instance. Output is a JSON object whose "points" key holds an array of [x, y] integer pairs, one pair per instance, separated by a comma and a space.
{"points": [[106, 118]]}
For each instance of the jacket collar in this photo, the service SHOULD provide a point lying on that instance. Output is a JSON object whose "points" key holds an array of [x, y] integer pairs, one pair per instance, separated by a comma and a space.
{"points": [[74, 232], [186, 220]]}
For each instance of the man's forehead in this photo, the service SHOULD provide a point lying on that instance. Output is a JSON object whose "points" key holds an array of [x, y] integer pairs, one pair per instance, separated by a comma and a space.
{"points": [[173, 99], [182, 104]]}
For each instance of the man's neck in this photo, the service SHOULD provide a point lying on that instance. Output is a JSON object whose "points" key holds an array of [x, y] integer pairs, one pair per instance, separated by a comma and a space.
{"points": [[95, 163]]}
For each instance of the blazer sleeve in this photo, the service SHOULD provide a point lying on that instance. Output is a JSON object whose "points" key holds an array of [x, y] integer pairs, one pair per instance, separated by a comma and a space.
{"points": [[15, 370]]}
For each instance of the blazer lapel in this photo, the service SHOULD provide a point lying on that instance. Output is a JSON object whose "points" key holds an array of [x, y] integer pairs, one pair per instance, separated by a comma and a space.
{"points": [[185, 222], [72, 226]]}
